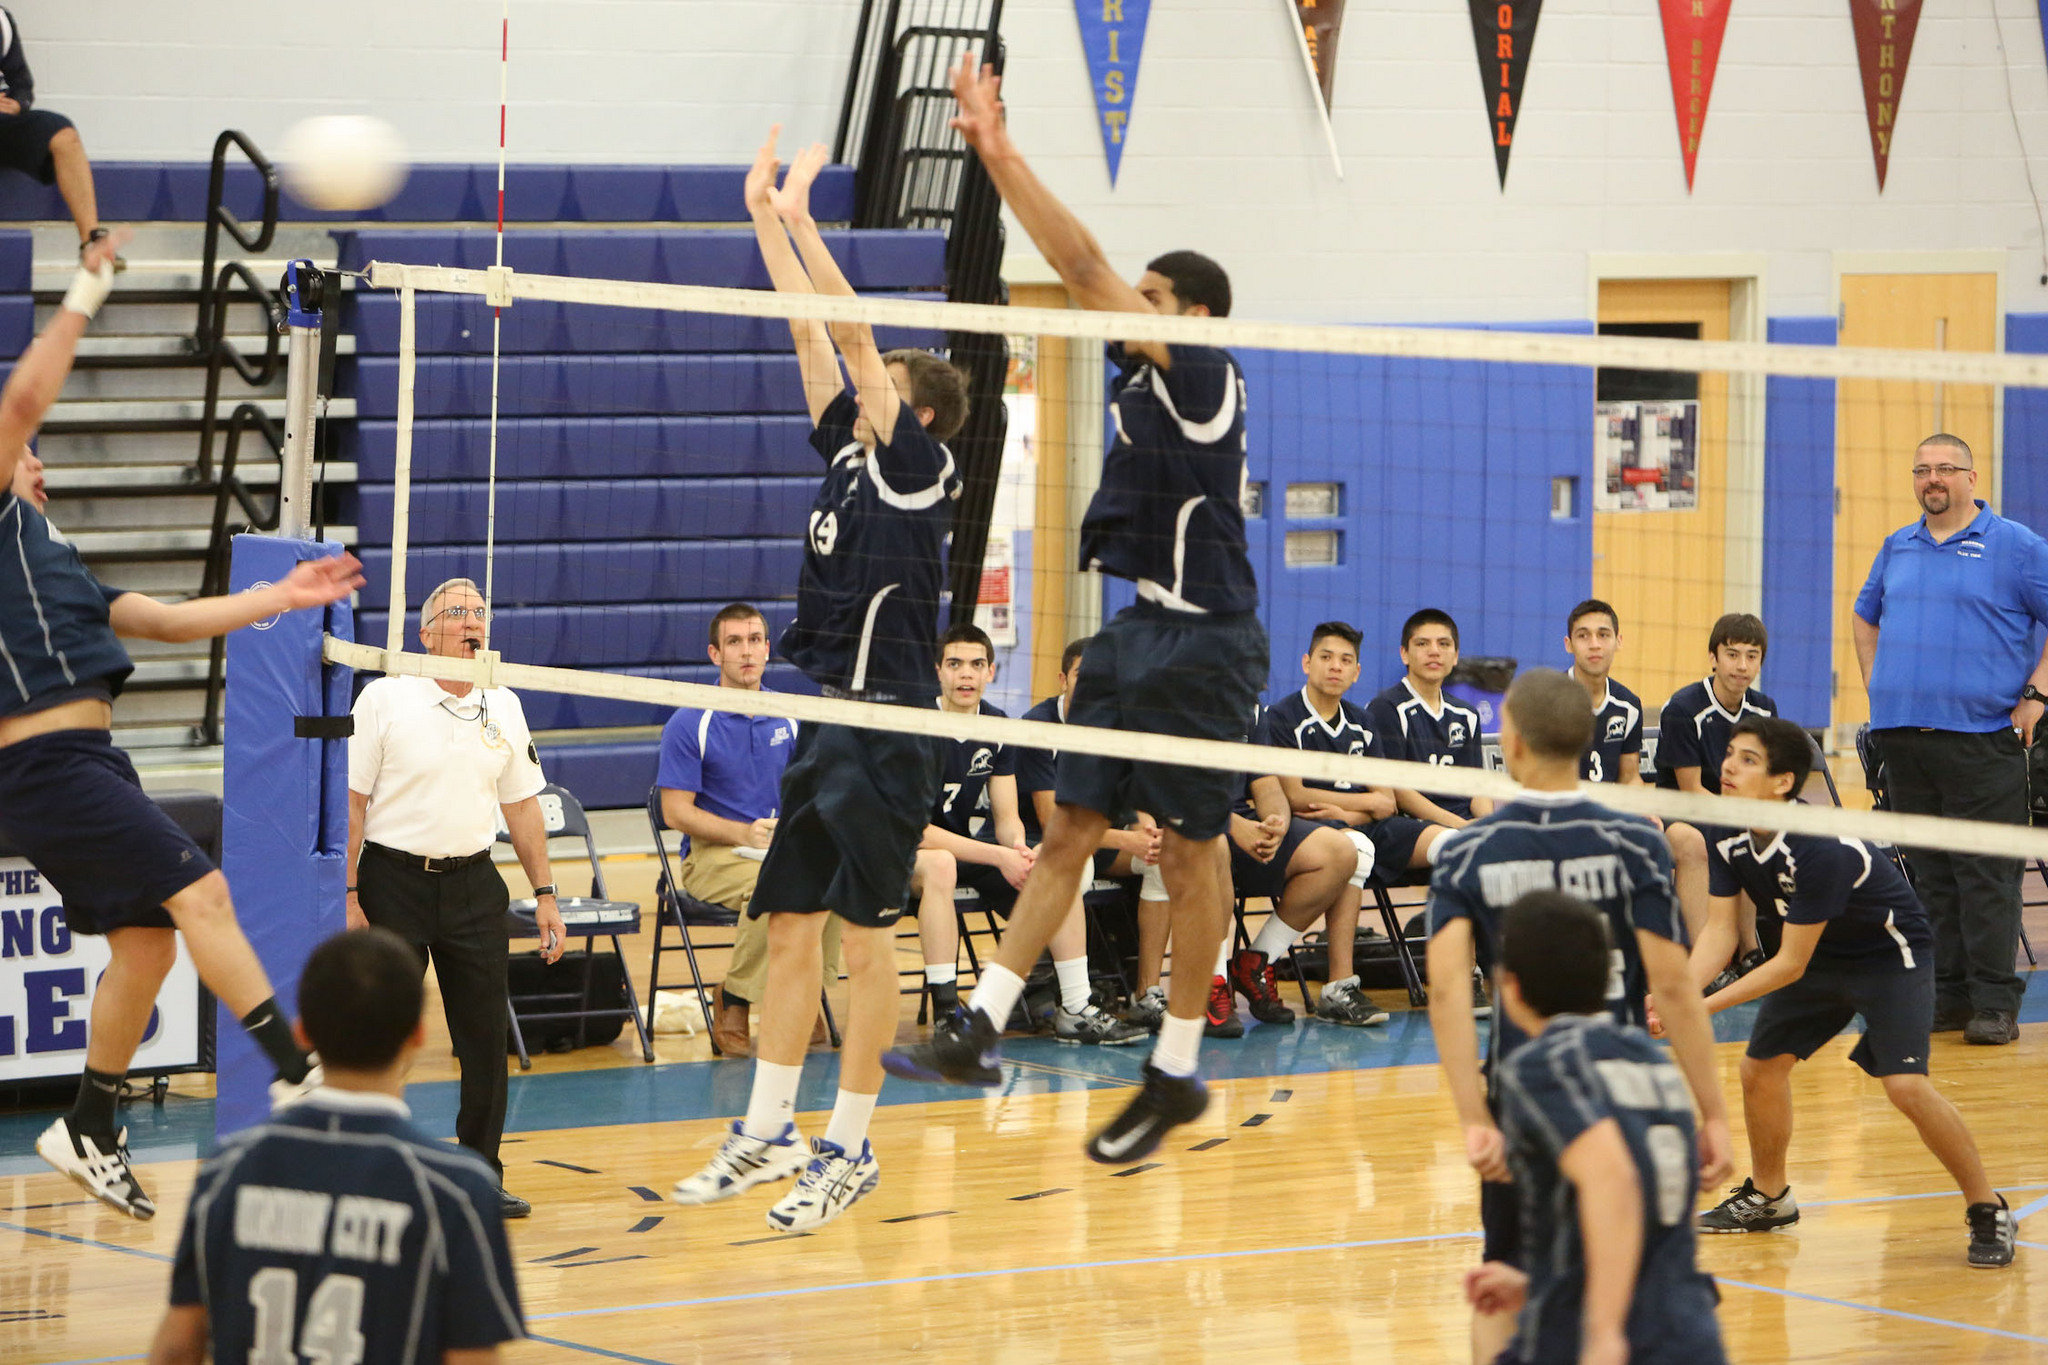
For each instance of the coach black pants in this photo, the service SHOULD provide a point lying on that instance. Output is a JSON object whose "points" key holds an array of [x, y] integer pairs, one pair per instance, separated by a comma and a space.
{"points": [[1973, 900], [456, 919]]}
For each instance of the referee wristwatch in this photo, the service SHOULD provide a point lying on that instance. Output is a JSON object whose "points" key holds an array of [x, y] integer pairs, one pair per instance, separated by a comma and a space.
{"points": [[547, 890], [2033, 693]]}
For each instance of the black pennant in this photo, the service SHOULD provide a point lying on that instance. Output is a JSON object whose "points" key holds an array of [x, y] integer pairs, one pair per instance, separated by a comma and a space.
{"points": [[1504, 31]]}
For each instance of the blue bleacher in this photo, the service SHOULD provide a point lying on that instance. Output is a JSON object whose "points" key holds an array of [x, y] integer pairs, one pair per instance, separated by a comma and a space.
{"points": [[601, 509], [615, 571], [450, 324], [591, 447], [721, 257], [17, 305]]}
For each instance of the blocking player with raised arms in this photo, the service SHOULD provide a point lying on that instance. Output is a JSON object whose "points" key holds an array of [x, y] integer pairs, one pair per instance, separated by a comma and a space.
{"points": [[854, 802], [70, 801], [1186, 660], [1417, 722], [339, 1230], [1550, 838], [1599, 1132], [1854, 941], [1592, 633]]}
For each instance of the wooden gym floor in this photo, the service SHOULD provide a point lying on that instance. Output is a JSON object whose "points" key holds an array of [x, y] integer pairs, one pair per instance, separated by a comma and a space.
{"points": [[1321, 1210]]}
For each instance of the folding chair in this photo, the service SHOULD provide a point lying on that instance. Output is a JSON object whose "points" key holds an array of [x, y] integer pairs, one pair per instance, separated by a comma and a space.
{"points": [[587, 916], [684, 912]]}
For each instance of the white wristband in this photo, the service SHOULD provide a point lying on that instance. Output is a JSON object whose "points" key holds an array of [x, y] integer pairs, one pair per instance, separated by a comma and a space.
{"points": [[89, 289]]}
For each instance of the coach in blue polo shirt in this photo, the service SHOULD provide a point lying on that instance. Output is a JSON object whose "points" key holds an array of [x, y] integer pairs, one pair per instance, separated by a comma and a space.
{"points": [[1945, 630], [720, 780]]}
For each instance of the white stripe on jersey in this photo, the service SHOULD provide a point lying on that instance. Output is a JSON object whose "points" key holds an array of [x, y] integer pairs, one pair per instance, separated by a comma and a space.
{"points": [[36, 599], [1201, 433], [859, 681]]}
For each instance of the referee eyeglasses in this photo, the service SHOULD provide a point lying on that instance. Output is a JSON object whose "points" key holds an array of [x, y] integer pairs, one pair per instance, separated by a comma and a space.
{"points": [[481, 614], [1920, 471]]}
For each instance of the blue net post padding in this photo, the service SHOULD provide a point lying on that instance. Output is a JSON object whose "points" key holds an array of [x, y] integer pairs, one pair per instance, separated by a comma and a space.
{"points": [[284, 826]]}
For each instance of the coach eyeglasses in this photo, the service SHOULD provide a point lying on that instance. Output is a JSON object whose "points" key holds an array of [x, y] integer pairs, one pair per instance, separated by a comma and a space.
{"points": [[1920, 471]]}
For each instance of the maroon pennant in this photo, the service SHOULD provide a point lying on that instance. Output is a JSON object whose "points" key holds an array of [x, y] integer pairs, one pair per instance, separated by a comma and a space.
{"points": [[1884, 44], [1320, 22], [1692, 44], [1504, 31]]}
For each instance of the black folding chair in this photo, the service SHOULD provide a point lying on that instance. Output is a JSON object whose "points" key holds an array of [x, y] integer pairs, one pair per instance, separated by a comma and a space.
{"points": [[685, 913], [588, 917]]}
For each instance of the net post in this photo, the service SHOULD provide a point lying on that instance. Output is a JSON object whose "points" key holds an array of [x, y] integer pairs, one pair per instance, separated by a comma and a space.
{"points": [[401, 474], [303, 303]]}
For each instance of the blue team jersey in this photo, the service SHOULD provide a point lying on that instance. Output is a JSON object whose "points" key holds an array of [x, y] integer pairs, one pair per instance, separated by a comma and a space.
{"points": [[732, 762], [54, 631], [1168, 514], [867, 606], [1693, 732], [1447, 737], [1874, 919], [1294, 723], [1581, 1071], [1617, 732], [963, 805], [1557, 841], [339, 1231], [1035, 767]]}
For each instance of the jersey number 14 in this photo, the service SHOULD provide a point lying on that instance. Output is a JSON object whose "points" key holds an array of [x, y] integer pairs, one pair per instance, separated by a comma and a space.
{"points": [[334, 1319]]}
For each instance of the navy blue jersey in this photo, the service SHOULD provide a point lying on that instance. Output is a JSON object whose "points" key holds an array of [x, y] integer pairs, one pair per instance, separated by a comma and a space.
{"points": [[54, 634], [340, 1231], [963, 805], [1874, 919], [1168, 514], [1448, 737], [1558, 841], [1293, 723], [867, 606], [1694, 729], [1580, 1072], [1035, 767], [1617, 732], [15, 80]]}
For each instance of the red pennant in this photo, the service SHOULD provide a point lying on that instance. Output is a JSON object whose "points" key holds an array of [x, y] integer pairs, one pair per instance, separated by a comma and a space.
{"points": [[1884, 44], [1692, 44]]}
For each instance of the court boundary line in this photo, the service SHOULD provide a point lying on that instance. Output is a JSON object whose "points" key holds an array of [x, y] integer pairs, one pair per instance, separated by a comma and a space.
{"points": [[1882, 1311], [2027, 1210], [75, 1240]]}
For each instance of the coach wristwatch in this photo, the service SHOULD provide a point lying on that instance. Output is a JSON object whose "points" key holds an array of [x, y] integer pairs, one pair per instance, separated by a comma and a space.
{"points": [[2033, 693]]}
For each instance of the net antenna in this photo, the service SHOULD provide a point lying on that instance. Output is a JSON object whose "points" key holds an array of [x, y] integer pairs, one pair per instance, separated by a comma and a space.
{"points": [[497, 317]]}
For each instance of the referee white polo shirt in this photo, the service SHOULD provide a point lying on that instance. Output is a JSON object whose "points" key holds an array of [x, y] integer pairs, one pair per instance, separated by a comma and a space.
{"points": [[436, 767]]}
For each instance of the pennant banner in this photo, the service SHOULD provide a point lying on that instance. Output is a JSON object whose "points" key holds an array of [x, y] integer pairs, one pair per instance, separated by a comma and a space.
{"points": [[1692, 44], [1884, 44], [1320, 21], [1504, 31], [1112, 35]]}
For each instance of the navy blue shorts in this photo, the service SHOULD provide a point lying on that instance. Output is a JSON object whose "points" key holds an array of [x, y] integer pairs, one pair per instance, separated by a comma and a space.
{"points": [[1897, 1009], [1393, 844], [1161, 672], [1500, 1219], [988, 882], [1251, 877], [854, 806], [71, 804], [25, 142]]}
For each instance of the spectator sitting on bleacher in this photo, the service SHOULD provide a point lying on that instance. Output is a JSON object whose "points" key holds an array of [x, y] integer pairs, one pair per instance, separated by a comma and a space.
{"points": [[44, 144], [720, 780], [977, 825], [1415, 721], [1692, 739], [1593, 635]]}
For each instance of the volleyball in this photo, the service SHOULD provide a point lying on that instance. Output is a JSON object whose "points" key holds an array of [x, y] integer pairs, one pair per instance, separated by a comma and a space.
{"points": [[343, 162]]}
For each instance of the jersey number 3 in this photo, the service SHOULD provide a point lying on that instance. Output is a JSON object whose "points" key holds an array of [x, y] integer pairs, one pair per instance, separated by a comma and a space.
{"points": [[334, 1319]]}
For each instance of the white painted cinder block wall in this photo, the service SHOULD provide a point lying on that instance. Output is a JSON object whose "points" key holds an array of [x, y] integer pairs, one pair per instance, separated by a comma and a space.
{"points": [[1224, 151]]}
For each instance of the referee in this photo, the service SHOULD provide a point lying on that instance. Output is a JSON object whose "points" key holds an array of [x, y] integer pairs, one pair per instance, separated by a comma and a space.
{"points": [[1944, 632], [431, 764]]}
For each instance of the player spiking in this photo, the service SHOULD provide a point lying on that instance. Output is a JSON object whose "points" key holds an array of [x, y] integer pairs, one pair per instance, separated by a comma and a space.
{"points": [[1552, 839], [1186, 660]]}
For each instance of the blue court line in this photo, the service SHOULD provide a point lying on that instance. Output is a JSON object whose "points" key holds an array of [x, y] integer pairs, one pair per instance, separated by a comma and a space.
{"points": [[1885, 1312], [2035, 1207], [88, 1242], [567, 1346], [2038, 1246], [955, 1275], [1938, 1194]]}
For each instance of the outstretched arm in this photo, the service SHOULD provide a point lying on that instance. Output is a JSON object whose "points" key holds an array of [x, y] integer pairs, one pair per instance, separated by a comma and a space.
{"points": [[855, 340], [311, 583], [40, 373], [815, 362]]}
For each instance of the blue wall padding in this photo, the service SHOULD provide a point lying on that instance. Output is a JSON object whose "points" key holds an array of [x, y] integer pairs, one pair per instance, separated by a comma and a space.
{"points": [[587, 447], [1445, 470], [450, 324], [592, 385], [603, 776], [17, 256], [613, 634], [143, 191], [615, 571], [586, 509], [1799, 536], [17, 324], [2025, 457], [905, 259], [284, 826]]}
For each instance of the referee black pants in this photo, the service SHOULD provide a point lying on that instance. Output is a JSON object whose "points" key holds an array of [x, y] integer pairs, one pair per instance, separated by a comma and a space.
{"points": [[1973, 899], [456, 919]]}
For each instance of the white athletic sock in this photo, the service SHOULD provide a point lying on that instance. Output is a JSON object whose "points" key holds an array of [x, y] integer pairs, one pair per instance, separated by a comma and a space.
{"points": [[1073, 974], [849, 1125], [1275, 939], [997, 993], [940, 974], [771, 1107], [1342, 983], [1223, 955], [1179, 1045]]}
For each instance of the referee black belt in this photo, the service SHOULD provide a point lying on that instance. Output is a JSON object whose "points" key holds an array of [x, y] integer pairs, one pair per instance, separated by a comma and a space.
{"points": [[425, 864]]}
